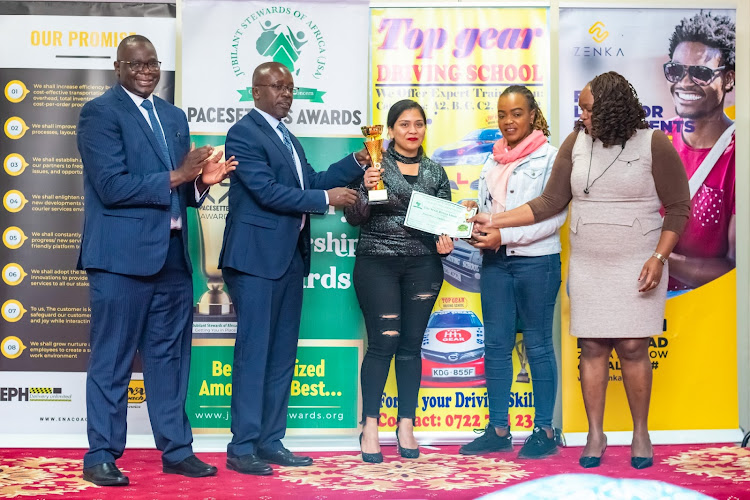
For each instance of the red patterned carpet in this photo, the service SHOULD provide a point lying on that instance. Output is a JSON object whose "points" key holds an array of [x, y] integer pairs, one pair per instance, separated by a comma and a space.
{"points": [[719, 471]]}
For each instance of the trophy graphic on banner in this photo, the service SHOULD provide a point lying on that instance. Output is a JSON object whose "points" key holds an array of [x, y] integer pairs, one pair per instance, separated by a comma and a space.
{"points": [[374, 145], [215, 304], [523, 375]]}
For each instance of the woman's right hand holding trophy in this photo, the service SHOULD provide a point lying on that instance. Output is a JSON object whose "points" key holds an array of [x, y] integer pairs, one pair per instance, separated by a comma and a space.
{"points": [[372, 177]]}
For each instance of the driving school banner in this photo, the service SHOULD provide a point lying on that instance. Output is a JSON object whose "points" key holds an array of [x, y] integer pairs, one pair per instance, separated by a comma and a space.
{"points": [[695, 360], [56, 56], [223, 42], [456, 62]]}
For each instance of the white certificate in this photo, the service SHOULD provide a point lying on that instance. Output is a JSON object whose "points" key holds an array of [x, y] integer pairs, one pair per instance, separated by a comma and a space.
{"points": [[438, 216]]}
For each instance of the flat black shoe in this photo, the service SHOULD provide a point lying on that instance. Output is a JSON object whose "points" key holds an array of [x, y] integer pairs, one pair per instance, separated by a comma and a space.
{"points": [[192, 466], [406, 452], [641, 462], [284, 457], [249, 464], [370, 458], [106, 474]]}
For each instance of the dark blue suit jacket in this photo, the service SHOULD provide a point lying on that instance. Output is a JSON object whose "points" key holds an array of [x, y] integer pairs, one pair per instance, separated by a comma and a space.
{"points": [[126, 184], [265, 200]]}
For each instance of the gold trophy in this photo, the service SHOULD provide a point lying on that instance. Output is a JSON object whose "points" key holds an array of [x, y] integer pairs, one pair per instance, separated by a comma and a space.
{"points": [[215, 304], [374, 145], [523, 375]]}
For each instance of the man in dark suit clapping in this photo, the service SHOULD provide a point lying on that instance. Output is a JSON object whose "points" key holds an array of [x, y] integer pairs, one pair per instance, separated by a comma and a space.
{"points": [[139, 175], [265, 256]]}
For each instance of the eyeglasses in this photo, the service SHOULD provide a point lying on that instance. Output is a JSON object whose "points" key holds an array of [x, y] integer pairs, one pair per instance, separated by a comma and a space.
{"points": [[279, 88], [700, 75], [138, 66]]}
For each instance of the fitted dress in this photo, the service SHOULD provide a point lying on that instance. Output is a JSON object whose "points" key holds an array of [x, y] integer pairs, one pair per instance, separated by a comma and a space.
{"points": [[615, 227]]}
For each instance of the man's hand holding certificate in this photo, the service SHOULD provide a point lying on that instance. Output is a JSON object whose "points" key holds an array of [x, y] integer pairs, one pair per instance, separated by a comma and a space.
{"points": [[438, 216]]}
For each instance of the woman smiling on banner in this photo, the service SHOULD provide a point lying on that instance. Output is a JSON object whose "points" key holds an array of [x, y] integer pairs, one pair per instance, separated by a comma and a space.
{"points": [[618, 174]]}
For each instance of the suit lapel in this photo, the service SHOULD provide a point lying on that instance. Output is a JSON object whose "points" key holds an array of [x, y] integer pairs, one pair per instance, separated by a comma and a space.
{"points": [[131, 108], [271, 133]]}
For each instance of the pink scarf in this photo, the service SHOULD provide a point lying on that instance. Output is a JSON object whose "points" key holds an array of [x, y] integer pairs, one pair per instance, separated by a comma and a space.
{"points": [[507, 160]]}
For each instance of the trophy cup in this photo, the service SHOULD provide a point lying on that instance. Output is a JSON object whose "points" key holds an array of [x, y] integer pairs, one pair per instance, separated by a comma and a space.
{"points": [[215, 304], [374, 145], [523, 375]]}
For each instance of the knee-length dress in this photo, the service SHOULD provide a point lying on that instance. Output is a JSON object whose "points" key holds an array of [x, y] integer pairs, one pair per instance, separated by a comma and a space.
{"points": [[615, 224]]}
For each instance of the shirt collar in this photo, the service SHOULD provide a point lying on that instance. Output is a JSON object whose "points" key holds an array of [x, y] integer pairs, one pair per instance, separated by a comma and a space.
{"points": [[272, 121], [138, 100]]}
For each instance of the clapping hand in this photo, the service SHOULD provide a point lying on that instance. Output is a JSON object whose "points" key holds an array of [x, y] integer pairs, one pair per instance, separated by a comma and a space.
{"points": [[215, 170]]}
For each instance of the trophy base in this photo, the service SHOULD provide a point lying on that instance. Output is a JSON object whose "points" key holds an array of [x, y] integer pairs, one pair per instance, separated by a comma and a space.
{"points": [[377, 196], [523, 378], [215, 304]]}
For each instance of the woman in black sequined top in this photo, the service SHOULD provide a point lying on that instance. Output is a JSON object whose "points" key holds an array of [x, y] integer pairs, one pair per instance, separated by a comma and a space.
{"points": [[397, 275]]}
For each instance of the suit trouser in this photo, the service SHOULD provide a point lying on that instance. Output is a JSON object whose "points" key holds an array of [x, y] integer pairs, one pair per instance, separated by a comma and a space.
{"points": [[151, 314], [268, 319]]}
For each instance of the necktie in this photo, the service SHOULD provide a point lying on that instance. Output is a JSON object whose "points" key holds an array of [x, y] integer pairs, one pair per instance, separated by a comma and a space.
{"points": [[174, 199], [287, 138], [288, 144]]}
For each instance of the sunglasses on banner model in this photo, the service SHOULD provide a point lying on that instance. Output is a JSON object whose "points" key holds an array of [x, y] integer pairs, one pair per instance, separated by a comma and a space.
{"points": [[700, 75]]}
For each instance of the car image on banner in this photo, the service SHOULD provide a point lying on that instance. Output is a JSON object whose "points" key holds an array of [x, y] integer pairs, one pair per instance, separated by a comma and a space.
{"points": [[453, 350], [472, 149], [462, 267]]}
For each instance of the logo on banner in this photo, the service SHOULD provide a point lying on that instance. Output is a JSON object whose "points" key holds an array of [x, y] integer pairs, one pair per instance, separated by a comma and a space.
{"points": [[32, 394], [598, 32], [136, 392], [285, 36], [453, 336]]}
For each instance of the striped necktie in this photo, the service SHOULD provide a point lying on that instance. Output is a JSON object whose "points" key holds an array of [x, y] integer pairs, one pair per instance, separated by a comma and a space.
{"points": [[174, 199], [287, 138]]}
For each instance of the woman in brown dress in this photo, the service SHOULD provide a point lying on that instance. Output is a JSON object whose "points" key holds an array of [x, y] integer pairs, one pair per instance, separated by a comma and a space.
{"points": [[618, 174]]}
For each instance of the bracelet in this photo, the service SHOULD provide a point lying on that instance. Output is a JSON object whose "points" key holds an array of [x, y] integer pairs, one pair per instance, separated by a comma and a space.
{"points": [[660, 257]]}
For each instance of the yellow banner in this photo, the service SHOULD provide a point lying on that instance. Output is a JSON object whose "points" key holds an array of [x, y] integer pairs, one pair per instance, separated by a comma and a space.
{"points": [[456, 62]]}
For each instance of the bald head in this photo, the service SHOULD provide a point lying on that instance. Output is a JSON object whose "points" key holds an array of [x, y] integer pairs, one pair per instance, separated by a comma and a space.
{"points": [[272, 89], [137, 66]]}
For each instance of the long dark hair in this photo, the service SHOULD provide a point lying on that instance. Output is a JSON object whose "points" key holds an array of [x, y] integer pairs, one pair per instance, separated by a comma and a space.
{"points": [[540, 123], [617, 112]]}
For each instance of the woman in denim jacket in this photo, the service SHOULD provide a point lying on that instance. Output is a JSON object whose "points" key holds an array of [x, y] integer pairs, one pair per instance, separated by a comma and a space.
{"points": [[520, 274]]}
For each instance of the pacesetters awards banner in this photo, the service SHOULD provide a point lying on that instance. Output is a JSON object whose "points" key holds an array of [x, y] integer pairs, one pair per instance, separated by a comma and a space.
{"points": [[695, 360], [56, 57], [456, 62], [222, 43]]}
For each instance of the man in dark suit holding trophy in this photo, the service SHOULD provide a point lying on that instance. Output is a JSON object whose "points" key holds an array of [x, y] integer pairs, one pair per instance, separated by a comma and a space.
{"points": [[264, 258]]}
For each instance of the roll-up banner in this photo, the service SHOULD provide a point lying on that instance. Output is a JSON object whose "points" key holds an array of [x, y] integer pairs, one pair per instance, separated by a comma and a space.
{"points": [[56, 56], [222, 44], [694, 361], [456, 62]]}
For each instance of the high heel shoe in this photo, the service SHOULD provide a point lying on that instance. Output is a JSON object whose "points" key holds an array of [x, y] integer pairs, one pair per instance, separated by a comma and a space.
{"points": [[370, 458], [406, 452], [591, 462], [641, 462]]}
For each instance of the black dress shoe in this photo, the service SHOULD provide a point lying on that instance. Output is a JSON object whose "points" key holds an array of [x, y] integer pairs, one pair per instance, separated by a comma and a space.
{"points": [[249, 464], [284, 457], [641, 462], [105, 475], [192, 466]]}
